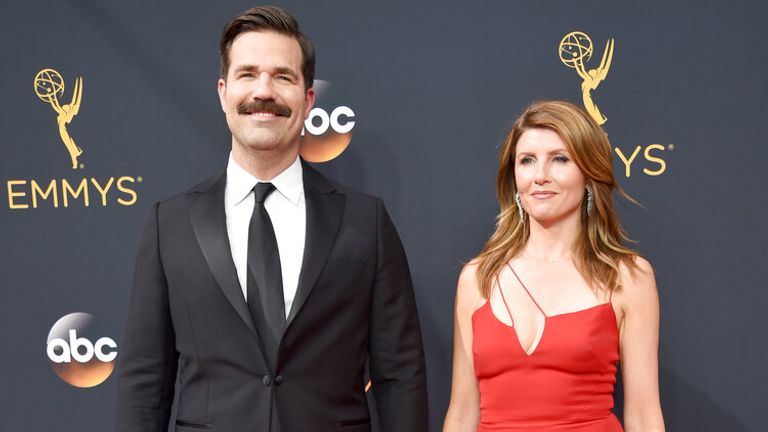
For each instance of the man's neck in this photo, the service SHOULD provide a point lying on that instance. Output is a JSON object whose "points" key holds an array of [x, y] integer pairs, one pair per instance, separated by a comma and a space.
{"points": [[265, 165]]}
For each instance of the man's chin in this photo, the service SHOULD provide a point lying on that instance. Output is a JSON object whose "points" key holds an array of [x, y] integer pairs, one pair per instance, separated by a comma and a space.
{"points": [[264, 143]]}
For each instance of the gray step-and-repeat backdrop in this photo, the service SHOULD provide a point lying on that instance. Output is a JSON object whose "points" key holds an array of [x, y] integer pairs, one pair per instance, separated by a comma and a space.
{"points": [[108, 106]]}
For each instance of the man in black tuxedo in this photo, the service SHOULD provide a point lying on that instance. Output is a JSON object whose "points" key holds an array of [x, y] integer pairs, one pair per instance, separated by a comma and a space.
{"points": [[261, 293]]}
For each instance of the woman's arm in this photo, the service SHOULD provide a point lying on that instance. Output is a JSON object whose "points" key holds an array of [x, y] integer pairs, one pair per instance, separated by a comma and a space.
{"points": [[464, 409], [639, 336]]}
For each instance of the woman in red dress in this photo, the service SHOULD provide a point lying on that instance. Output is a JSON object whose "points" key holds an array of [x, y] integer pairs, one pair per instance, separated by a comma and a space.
{"points": [[555, 300]]}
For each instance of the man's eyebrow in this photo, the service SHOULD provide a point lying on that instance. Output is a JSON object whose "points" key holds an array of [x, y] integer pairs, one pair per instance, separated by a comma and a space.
{"points": [[284, 70], [246, 67]]}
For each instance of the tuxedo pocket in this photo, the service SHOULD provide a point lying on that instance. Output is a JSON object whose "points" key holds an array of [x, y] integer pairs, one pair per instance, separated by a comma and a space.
{"points": [[342, 269], [186, 425], [354, 425]]}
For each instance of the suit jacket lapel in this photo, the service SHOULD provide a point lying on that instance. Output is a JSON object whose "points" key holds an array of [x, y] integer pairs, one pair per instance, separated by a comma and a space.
{"points": [[208, 218], [324, 211]]}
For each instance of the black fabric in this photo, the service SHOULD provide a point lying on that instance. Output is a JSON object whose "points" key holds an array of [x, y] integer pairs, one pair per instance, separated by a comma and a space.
{"points": [[190, 330], [265, 281]]}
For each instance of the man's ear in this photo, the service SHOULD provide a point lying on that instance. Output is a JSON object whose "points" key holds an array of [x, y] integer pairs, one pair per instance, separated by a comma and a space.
{"points": [[221, 88], [309, 101]]}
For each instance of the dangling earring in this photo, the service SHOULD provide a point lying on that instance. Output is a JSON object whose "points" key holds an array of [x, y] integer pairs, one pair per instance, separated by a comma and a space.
{"points": [[590, 200], [520, 207]]}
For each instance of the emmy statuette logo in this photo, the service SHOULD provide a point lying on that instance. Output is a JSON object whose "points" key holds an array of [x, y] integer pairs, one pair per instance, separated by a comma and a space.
{"points": [[575, 49], [49, 87], [74, 189]]}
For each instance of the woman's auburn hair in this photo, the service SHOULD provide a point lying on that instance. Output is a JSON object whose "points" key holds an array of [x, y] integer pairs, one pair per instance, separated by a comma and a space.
{"points": [[600, 247]]}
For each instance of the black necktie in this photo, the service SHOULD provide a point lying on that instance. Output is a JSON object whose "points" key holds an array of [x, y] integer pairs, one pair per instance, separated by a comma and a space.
{"points": [[265, 280]]}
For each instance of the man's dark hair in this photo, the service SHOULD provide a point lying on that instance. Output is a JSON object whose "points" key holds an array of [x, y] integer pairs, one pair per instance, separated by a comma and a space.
{"points": [[268, 18]]}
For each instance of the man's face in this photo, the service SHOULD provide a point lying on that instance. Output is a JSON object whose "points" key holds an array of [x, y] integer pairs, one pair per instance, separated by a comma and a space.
{"points": [[264, 96]]}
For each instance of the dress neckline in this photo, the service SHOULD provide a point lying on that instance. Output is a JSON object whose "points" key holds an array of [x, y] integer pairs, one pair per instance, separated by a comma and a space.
{"points": [[540, 337]]}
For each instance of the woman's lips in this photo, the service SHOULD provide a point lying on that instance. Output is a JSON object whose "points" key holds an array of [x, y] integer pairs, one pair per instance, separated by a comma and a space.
{"points": [[543, 194]]}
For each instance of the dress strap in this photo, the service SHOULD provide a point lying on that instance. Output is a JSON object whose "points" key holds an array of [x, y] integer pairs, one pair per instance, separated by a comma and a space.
{"points": [[506, 306], [526, 290]]}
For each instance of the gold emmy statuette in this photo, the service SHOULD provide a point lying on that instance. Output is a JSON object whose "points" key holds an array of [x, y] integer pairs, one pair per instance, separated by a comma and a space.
{"points": [[575, 49], [49, 86]]}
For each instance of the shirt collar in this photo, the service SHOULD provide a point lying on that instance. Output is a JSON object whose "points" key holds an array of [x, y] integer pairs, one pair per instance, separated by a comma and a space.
{"points": [[290, 182]]}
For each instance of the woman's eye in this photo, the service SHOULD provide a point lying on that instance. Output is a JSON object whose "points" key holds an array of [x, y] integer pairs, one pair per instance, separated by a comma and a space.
{"points": [[526, 160], [561, 159]]}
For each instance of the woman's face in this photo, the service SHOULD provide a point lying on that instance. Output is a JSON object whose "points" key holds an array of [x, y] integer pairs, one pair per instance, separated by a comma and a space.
{"points": [[550, 184]]}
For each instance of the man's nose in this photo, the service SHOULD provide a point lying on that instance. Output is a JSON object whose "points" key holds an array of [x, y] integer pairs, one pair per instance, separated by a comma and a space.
{"points": [[263, 87]]}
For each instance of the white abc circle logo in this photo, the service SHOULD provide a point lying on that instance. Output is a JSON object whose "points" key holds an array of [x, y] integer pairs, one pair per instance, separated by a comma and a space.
{"points": [[334, 120], [78, 357], [328, 128], [81, 349]]}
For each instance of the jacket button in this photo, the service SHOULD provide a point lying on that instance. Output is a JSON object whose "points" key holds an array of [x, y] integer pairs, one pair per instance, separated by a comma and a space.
{"points": [[278, 380], [266, 380]]}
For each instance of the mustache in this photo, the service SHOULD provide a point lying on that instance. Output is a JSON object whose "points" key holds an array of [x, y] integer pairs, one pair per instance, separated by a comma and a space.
{"points": [[265, 106]]}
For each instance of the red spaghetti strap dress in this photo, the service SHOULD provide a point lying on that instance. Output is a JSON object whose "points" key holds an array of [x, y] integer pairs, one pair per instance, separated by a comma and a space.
{"points": [[564, 384]]}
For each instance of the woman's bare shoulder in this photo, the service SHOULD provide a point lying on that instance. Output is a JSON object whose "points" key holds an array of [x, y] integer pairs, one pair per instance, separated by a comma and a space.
{"points": [[640, 273], [638, 283], [468, 295]]}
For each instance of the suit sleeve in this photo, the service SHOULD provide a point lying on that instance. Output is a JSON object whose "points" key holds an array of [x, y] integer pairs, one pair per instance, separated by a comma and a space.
{"points": [[395, 347], [148, 360]]}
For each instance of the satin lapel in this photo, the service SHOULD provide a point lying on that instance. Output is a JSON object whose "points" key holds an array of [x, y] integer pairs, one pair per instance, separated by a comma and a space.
{"points": [[324, 212], [208, 218]]}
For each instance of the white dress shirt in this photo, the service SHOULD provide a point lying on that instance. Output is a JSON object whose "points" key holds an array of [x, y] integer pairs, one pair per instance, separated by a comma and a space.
{"points": [[288, 212]]}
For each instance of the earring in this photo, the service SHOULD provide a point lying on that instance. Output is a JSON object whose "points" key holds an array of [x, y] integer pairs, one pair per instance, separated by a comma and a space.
{"points": [[520, 207], [590, 200]]}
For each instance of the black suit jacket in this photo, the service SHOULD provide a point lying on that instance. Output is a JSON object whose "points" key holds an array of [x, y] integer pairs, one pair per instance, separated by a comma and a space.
{"points": [[188, 317]]}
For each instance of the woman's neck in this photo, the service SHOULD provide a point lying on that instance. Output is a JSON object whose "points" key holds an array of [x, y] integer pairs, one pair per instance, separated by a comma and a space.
{"points": [[552, 241]]}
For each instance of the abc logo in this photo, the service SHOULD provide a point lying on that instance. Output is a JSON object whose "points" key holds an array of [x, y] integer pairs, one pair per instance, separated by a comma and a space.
{"points": [[78, 356], [324, 120], [328, 128]]}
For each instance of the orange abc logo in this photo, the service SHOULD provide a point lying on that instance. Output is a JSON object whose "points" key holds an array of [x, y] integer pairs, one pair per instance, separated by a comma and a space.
{"points": [[78, 355], [328, 128]]}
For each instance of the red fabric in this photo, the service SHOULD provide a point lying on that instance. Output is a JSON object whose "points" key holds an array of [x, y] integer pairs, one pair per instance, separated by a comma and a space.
{"points": [[566, 384]]}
